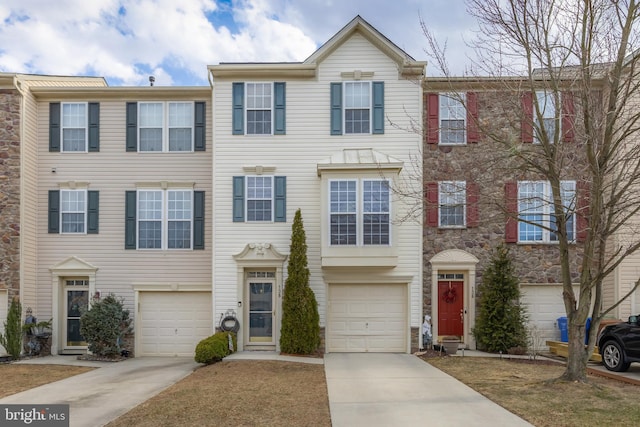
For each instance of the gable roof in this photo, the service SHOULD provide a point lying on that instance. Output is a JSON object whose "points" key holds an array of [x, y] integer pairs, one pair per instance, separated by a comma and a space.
{"points": [[407, 66], [406, 63]]}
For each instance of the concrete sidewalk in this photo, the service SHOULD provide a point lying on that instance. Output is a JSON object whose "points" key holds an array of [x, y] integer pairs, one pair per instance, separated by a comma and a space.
{"points": [[102, 395], [377, 389]]}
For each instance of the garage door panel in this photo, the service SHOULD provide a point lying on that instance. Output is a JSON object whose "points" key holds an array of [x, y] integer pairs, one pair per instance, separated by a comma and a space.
{"points": [[172, 323], [367, 318]]}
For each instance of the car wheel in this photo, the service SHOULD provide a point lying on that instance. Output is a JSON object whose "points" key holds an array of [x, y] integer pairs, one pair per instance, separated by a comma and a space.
{"points": [[613, 357]]}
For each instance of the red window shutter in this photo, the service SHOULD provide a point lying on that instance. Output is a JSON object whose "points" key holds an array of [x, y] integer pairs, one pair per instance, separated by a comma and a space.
{"points": [[582, 213], [511, 205], [568, 116], [432, 203], [473, 214], [473, 135], [432, 118], [526, 127]]}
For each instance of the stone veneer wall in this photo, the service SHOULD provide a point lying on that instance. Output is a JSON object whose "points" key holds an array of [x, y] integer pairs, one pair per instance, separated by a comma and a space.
{"points": [[485, 163], [10, 192]]}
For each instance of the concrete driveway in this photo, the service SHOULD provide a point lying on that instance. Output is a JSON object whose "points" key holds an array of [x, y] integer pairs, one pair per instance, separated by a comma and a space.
{"points": [[377, 389], [102, 395]]}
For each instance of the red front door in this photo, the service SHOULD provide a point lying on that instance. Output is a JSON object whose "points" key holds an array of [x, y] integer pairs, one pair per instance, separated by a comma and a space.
{"points": [[450, 307]]}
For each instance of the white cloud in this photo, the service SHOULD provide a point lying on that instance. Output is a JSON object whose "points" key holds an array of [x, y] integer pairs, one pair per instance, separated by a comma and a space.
{"points": [[176, 40]]}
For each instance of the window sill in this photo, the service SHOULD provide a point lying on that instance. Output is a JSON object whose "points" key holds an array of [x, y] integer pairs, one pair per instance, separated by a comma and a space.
{"points": [[360, 261]]}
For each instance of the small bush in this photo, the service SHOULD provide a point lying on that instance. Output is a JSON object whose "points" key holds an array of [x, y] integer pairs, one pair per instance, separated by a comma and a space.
{"points": [[11, 340], [104, 326], [214, 348]]}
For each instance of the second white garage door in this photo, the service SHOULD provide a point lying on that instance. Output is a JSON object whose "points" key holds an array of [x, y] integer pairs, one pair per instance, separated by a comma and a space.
{"points": [[367, 318], [172, 323], [544, 305]]}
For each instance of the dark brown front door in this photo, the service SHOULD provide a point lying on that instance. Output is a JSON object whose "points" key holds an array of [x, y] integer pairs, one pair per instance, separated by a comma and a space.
{"points": [[450, 307]]}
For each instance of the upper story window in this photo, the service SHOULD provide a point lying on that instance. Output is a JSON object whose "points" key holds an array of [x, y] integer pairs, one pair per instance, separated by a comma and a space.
{"points": [[453, 119], [259, 198], [536, 214], [357, 108], [73, 210], [359, 212], [452, 204], [547, 108], [259, 108], [74, 127], [165, 126], [165, 219], [259, 104]]}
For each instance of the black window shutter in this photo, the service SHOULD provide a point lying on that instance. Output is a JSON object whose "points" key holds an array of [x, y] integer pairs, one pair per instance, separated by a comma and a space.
{"points": [[54, 127], [94, 127], [238, 199], [378, 108], [54, 211], [199, 127], [238, 109], [198, 220], [132, 126], [336, 108], [93, 212], [130, 220], [280, 199], [280, 108]]}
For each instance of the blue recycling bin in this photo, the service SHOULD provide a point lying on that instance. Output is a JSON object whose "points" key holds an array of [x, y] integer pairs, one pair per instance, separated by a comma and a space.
{"points": [[586, 334], [564, 330]]}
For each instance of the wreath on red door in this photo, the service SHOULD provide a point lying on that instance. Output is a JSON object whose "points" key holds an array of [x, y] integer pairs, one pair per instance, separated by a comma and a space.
{"points": [[449, 296]]}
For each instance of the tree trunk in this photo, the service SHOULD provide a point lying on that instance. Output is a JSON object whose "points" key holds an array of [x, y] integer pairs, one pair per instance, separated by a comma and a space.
{"points": [[576, 369]]}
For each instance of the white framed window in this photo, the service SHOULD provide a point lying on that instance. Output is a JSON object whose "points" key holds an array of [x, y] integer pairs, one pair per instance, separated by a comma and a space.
{"points": [[259, 193], [547, 108], [165, 219], [357, 107], [452, 204], [259, 108], [453, 118], [536, 214], [359, 212], [74, 127], [73, 211], [165, 126]]}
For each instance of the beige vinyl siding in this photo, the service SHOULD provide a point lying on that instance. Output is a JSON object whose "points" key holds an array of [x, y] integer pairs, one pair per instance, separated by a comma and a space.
{"points": [[295, 155], [28, 204], [112, 171]]}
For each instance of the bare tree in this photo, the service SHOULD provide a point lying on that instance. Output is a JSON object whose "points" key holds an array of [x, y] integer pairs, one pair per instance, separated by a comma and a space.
{"points": [[582, 52]]}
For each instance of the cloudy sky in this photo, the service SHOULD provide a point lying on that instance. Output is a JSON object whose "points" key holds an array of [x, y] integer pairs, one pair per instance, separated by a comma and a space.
{"points": [[174, 40]]}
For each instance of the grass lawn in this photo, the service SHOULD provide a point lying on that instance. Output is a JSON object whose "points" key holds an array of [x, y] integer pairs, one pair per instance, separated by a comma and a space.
{"points": [[526, 390], [239, 393], [19, 377]]}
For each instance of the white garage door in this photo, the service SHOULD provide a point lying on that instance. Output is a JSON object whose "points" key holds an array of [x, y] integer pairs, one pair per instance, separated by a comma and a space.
{"points": [[367, 318], [172, 323], [544, 306]]}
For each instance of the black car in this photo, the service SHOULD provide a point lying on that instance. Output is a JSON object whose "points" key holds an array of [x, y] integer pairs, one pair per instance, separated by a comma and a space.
{"points": [[619, 344]]}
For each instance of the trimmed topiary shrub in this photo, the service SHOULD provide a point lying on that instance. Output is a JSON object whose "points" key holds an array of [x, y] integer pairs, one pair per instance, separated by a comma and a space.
{"points": [[11, 340], [501, 322], [215, 348], [300, 332], [104, 326]]}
